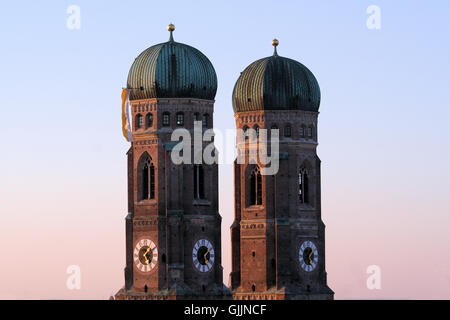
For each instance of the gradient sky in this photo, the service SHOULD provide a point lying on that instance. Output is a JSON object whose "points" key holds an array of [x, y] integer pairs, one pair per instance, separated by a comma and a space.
{"points": [[383, 133]]}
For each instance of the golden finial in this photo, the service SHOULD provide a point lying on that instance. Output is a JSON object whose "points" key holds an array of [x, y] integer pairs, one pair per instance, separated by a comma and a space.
{"points": [[171, 28], [275, 43]]}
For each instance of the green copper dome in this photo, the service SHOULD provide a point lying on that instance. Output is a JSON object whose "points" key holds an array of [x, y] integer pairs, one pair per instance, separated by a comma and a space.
{"points": [[172, 70], [276, 83]]}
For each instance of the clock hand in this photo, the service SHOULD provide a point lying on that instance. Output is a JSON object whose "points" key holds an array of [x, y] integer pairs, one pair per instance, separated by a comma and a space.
{"points": [[145, 255], [309, 257], [204, 256]]}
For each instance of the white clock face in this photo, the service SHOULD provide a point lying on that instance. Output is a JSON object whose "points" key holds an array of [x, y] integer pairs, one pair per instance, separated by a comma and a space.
{"points": [[145, 255], [203, 255], [308, 256]]}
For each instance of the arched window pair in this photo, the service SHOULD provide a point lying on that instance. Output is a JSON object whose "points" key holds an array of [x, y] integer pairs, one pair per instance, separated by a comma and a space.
{"points": [[199, 184], [287, 130], [139, 121], [306, 131], [204, 119], [303, 186], [255, 187], [246, 132], [147, 179]]}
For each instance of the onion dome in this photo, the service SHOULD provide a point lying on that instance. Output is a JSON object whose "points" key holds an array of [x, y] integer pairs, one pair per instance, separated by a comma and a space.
{"points": [[276, 83], [172, 70]]}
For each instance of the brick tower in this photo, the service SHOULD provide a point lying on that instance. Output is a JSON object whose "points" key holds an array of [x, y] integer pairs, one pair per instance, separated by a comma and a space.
{"points": [[278, 237], [173, 235]]}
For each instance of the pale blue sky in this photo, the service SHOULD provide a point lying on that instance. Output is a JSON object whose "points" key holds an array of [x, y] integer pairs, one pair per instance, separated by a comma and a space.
{"points": [[383, 128]]}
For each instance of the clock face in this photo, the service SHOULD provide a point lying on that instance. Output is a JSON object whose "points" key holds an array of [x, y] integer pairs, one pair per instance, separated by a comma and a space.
{"points": [[203, 255], [145, 255], [308, 256]]}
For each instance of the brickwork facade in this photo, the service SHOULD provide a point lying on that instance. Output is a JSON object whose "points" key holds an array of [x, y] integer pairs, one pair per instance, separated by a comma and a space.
{"points": [[164, 209], [270, 236]]}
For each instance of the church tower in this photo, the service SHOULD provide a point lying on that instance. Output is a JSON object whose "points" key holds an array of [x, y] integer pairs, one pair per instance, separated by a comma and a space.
{"points": [[278, 237], [173, 235]]}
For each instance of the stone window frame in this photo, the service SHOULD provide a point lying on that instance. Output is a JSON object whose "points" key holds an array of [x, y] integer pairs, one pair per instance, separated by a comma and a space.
{"points": [[303, 186], [253, 186], [307, 168], [146, 166]]}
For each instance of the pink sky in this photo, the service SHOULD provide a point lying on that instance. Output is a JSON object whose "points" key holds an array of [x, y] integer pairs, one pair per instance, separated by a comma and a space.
{"points": [[81, 223]]}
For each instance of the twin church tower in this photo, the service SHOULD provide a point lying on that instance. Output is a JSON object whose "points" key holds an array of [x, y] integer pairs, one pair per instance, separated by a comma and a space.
{"points": [[173, 226]]}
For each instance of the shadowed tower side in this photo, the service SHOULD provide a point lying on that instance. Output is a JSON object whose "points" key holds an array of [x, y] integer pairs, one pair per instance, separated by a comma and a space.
{"points": [[278, 237]]}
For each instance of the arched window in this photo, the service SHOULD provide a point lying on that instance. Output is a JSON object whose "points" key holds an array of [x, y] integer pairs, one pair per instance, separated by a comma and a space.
{"points": [[199, 185], [180, 119], [166, 119], [245, 132], [287, 131], [148, 120], [147, 179], [205, 120], [255, 187], [256, 128], [303, 185], [139, 121]]}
